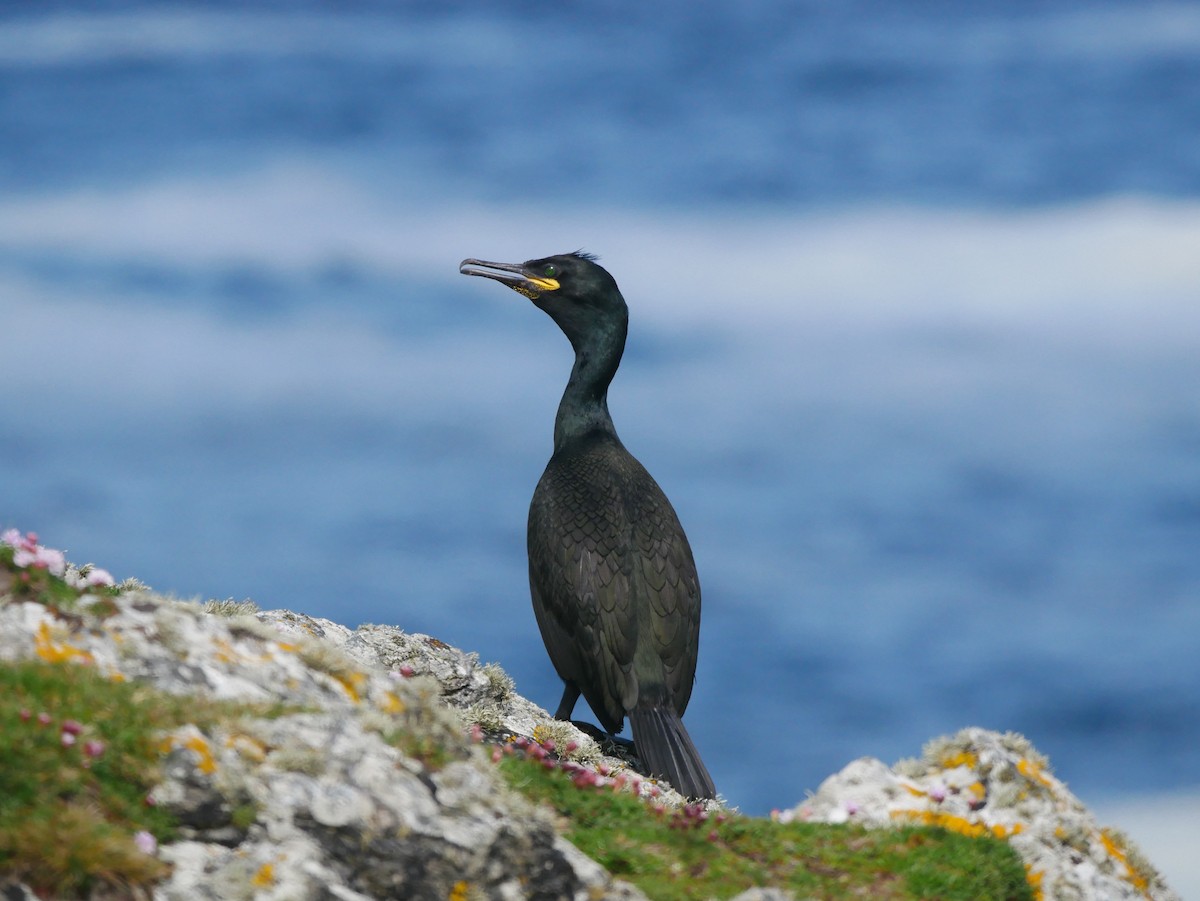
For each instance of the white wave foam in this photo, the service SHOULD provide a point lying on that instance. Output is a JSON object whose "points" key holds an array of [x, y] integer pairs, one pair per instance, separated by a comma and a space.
{"points": [[469, 38], [1125, 264], [82, 38], [97, 357]]}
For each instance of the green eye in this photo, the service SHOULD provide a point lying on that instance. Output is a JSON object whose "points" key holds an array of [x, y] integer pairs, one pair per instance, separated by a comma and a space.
{"points": [[550, 272]]}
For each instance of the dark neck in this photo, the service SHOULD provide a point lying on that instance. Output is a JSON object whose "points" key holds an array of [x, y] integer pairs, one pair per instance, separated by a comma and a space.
{"points": [[584, 405]]}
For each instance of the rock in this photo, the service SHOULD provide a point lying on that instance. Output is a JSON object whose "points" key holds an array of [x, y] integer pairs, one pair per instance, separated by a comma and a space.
{"points": [[979, 782], [485, 694], [315, 802], [356, 777]]}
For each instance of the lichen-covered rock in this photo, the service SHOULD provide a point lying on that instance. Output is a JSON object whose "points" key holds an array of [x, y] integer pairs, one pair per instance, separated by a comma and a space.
{"points": [[979, 782], [346, 765], [484, 693], [353, 780]]}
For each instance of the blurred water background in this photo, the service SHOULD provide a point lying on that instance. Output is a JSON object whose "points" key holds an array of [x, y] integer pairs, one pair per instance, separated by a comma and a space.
{"points": [[915, 342]]}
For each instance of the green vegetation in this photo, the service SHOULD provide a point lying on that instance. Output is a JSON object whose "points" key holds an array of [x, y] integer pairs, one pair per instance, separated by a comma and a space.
{"points": [[689, 854], [79, 751], [69, 812]]}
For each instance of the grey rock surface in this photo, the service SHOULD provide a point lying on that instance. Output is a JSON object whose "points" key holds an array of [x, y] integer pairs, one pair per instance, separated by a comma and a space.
{"points": [[360, 775], [979, 782], [315, 802]]}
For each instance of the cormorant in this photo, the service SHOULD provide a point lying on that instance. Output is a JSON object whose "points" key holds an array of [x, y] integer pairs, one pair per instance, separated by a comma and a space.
{"points": [[611, 574]]}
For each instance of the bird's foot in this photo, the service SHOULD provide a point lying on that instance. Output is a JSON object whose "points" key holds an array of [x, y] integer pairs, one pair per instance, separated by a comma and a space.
{"points": [[612, 745]]}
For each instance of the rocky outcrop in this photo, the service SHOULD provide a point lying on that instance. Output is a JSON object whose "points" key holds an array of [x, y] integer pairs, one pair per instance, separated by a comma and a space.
{"points": [[314, 801], [979, 782], [353, 765]]}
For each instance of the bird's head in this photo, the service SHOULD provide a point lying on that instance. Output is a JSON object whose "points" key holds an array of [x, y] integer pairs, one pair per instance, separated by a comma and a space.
{"points": [[576, 291]]}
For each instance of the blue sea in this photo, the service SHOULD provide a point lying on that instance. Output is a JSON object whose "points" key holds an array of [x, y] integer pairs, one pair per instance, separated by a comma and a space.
{"points": [[915, 340]]}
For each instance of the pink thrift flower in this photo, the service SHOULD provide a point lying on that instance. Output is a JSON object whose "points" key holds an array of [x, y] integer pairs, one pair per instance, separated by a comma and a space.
{"points": [[146, 843], [52, 560], [67, 739], [74, 727], [93, 748], [97, 577], [29, 553], [25, 714], [11, 537], [44, 718]]}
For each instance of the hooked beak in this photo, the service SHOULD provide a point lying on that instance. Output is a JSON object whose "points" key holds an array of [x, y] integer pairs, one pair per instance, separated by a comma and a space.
{"points": [[514, 275]]}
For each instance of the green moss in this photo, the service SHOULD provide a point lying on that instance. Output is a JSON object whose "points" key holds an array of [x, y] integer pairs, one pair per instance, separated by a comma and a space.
{"points": [[244, 815], [676, 855], [67, 818]]}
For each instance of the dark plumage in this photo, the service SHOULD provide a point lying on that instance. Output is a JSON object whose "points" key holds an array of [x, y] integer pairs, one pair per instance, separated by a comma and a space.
{"points": [[611, 574]]}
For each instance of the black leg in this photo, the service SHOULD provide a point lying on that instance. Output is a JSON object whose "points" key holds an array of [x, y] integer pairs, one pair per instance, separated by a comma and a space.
{"points": [[567, 704]]}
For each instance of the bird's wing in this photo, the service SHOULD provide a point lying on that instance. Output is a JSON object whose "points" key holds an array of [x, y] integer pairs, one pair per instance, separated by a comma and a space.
{"points": [[580, 583], [671, 585]]}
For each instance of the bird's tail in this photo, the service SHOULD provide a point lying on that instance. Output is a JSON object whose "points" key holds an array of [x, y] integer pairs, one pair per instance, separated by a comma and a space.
{"points": [[667, 752]]}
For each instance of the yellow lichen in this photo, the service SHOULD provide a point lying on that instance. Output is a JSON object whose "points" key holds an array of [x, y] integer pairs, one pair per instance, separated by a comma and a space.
{"points": [[264, 877], [391, 703], [962, 758], [961, 825], [459, 891], [353, 683], [1033, 771], [224, 651], [198, 745], [52, 652], [944, 820], [1034, 878], [247, 746], [1117, 852]]}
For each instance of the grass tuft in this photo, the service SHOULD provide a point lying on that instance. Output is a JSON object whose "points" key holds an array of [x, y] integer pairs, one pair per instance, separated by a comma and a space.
{"points": [[692, 853], [79, 753], [77, 758]]}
